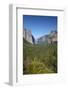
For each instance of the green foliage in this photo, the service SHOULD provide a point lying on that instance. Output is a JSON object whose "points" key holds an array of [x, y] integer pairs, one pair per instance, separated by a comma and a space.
{"points": [[39, 58]]}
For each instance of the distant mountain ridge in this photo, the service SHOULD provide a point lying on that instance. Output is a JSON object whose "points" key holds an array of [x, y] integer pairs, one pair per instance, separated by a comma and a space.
{"points": [[49, 38]]}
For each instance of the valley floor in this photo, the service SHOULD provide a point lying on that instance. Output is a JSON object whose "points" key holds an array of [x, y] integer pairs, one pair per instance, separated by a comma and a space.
{"points": [[39, 59]]}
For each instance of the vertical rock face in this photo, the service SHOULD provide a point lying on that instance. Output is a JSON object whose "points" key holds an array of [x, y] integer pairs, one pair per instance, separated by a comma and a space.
{"points": [[53, 37], [28, 36]]}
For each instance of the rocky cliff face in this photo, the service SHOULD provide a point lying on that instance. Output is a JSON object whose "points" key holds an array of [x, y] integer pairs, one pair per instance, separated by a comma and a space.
{"points": [[27, 34]]}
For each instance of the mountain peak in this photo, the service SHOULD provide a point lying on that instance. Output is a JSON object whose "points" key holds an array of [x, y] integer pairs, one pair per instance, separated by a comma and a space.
{"points": [[49, 38]]}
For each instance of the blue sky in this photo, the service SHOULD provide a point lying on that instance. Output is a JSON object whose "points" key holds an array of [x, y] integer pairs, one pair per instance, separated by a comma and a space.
{"points": [[40, 25]]}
